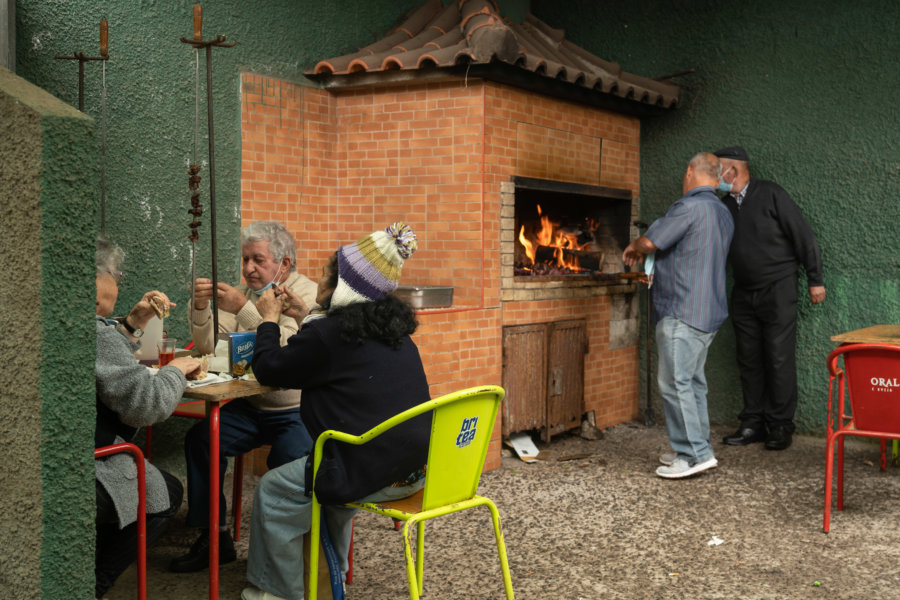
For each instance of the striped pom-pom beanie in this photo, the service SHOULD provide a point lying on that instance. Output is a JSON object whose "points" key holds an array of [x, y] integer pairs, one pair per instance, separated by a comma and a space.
{"points": [[370, 269]]}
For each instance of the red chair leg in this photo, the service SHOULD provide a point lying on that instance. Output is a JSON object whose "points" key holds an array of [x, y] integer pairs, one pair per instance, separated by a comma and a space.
{"points": [[840, 473], [237, 488], [829, 473], [883, 454]]}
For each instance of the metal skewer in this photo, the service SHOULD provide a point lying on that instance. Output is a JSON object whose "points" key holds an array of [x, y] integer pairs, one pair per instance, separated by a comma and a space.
{"points": [[197, 42], [81, 58]]}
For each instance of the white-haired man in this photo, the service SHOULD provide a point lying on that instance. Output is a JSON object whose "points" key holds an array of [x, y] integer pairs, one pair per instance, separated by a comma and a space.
{"points": [[691, 244], [268, 258]]}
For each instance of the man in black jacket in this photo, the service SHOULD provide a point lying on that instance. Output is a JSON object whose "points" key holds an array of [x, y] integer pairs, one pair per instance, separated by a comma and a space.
{"points": [[771, 238]]}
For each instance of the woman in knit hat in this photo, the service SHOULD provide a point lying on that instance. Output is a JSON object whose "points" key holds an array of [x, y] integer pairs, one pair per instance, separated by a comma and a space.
{"points": [[357, 365]]}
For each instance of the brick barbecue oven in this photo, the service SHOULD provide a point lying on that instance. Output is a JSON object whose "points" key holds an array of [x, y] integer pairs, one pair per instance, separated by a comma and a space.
{"points": [[461, 124]]}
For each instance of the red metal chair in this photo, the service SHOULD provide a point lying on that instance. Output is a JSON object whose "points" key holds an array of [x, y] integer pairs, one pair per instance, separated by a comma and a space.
{"points": [[142, 508], [870, 382]]}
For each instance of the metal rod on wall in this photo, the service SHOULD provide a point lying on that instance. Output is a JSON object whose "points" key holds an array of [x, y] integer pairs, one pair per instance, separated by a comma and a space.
{"points": [[197, 42], [81, 58]]}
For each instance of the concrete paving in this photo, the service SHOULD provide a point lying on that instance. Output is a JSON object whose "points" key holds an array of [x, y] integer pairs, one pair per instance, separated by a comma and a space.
{"points": [[591, 521]]}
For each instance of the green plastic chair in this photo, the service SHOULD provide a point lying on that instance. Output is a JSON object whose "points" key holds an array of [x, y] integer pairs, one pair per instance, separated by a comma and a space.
{"points": [[461, 428]]}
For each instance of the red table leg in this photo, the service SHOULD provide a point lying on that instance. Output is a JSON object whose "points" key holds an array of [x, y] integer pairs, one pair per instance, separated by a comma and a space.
{"points": [[213, 500]]}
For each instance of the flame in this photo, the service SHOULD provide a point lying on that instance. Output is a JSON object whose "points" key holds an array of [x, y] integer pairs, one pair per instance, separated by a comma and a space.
{"points": [[529, 247], [551, 236]]}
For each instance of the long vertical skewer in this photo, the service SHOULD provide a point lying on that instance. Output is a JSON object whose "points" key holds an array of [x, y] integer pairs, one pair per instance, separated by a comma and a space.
{"points": [[197, 42], [212, 190], [104, 52], [196, 209]]}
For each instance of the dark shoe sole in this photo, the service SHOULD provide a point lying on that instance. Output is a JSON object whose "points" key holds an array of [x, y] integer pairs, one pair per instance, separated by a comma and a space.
{"points": [[189, 564], [742, 441], [778, 446]]}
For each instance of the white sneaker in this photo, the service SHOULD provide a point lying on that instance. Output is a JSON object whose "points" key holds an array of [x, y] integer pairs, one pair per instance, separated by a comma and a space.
{"points": [[252, 593], [680, 468], [667, 458]]}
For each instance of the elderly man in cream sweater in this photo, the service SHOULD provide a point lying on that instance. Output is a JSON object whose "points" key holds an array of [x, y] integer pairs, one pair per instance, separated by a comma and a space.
{"points": [[268, 258]]}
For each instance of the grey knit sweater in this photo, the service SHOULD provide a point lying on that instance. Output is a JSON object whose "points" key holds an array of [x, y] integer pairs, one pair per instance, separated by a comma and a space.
{"points": [[140, 398]]}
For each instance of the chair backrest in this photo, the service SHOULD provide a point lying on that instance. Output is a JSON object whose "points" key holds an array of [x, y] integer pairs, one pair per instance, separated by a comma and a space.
{"points": [[461, 426], [872, 373]]}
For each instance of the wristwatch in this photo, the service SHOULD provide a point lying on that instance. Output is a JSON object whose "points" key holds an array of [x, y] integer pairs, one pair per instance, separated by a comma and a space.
{"points": [[134, 332]]}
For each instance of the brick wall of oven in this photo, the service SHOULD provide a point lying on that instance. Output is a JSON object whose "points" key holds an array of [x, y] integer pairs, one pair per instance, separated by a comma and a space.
{"points": [[334, 167]]}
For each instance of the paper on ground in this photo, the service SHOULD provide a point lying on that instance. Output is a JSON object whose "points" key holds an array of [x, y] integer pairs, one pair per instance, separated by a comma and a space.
{"points": [[524, 446]]}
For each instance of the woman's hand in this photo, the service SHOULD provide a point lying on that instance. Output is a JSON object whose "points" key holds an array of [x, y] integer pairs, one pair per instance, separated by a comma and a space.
{"points": [[143, 311], [269, 306], [185, 364], [293, 305]]}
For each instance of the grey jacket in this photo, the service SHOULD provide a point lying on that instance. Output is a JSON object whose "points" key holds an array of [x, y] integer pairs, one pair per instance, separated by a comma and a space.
{"points": [[139, 398]]}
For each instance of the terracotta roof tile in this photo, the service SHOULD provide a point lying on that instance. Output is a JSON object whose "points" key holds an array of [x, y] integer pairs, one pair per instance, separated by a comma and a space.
{"points": [[472, 33]]}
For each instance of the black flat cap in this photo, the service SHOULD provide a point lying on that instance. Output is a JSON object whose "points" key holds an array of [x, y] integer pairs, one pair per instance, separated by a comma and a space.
{"points": [[733, 152]]}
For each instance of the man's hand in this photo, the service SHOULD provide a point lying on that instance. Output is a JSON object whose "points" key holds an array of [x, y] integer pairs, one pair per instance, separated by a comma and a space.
{"points": [[816, 293], [636, 251], [143, 311], [631, 256], [269, 306], [229, 299]]}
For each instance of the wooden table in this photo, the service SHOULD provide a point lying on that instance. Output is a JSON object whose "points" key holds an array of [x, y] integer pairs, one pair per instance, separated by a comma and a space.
{"points": [[214, 394], [876, 334]]}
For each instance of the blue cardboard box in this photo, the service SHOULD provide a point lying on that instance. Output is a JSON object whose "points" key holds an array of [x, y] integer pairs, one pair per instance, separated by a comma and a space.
{"points": [[240, 351]]}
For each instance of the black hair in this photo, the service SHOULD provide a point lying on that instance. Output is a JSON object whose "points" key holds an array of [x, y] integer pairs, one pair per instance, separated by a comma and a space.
{"points": [[387, 321]]}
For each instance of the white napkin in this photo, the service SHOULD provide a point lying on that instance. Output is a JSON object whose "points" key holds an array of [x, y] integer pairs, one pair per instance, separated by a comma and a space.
{"points": [[210, 378]]}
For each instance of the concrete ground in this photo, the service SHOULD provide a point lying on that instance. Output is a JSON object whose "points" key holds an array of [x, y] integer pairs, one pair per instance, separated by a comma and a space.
{"points": [[591, 520]]}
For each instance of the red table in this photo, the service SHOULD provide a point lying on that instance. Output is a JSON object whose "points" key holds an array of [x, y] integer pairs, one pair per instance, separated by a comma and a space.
{"points": [[214, 394]]}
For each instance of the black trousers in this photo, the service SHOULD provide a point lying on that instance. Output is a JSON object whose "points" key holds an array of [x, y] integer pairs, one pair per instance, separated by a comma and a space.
{"points": [[116, 548], [765, 325]]}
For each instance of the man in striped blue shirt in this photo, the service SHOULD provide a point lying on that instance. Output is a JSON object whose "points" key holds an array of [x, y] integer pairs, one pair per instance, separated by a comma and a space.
{"points": [[691, 243]]}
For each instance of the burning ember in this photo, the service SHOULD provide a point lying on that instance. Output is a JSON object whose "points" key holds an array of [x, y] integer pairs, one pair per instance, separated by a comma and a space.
{"points": [[555, 249]]}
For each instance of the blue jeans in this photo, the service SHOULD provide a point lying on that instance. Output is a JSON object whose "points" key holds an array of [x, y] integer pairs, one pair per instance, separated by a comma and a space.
{"points": [[681, 353], [241, 429], [282, 514]]}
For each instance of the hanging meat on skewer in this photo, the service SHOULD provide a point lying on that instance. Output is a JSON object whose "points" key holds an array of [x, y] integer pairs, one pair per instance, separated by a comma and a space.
{"points": [[196, 208]]}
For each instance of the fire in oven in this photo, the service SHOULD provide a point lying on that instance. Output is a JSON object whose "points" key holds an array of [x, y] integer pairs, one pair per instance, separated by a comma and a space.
{"points": [[569, 230]]}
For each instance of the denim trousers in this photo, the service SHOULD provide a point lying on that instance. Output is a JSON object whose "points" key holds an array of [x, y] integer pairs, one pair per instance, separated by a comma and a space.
{"points": [[241, 429], [681, 353], [282, 514]]}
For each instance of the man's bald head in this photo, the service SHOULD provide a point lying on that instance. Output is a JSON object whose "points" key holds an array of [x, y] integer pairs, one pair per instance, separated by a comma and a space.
{"points": [[704, 169]]}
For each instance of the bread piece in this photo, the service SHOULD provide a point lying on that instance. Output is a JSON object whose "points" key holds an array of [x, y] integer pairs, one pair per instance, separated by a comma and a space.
{"points": [[160, 306]]}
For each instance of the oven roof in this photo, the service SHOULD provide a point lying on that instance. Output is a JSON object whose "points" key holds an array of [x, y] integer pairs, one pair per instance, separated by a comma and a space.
{"points": [[469, 38]]}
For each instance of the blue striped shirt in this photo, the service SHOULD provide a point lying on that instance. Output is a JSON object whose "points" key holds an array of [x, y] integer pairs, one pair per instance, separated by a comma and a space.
{"points": [[693, 239]]}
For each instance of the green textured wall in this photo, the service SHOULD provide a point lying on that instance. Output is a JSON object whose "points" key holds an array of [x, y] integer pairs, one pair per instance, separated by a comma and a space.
{"points": [[47, 289], [150, 116], [808, 88]]}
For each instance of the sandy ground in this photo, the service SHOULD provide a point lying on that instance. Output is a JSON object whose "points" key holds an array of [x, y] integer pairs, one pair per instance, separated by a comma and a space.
{"points": [[591, 521]]}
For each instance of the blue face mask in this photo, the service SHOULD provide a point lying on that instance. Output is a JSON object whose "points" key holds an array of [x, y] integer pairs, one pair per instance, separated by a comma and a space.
{"points": [[268, 285], [723, 186]]}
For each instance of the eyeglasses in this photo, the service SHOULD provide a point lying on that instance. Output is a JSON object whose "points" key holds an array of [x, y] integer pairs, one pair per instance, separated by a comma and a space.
{"points": [[117, 275]]}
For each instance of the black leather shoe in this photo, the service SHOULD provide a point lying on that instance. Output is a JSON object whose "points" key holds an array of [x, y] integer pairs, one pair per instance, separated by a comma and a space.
{"points": [[197, 558], [779, 439], [745, 436]]}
